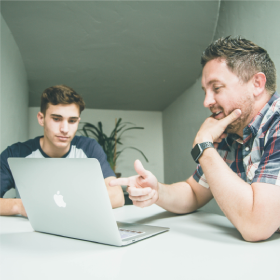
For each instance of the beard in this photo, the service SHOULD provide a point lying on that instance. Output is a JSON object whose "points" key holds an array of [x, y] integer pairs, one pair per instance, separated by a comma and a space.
{"points": [[247, 108], [235, 126]]}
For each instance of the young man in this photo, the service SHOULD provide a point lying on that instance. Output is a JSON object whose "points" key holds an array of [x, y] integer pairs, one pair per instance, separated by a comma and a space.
{"points": [[237, 148], [60, 113]]}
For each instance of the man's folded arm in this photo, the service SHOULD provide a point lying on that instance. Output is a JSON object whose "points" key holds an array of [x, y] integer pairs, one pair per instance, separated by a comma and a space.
{"points": [[252, 209]]}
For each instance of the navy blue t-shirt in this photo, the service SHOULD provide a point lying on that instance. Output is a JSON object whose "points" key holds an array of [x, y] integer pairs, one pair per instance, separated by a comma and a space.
{"points": [[81, 147]]}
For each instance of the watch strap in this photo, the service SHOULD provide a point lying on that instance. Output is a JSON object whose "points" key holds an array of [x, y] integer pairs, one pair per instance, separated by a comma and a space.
{"points": [[199, 148], [206, 145]]}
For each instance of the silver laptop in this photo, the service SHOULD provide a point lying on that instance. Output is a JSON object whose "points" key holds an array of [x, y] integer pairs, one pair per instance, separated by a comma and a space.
{"points": [[68, 197]]}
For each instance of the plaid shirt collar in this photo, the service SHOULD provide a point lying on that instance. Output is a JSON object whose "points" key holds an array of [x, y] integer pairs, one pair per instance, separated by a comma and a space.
{"points": [[252, 128]]}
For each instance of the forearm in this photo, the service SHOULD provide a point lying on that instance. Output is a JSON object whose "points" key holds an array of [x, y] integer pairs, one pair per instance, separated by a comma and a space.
{"points": [[10, 206], [234, 196], [177, 198], [115, 193], [116, 196]]}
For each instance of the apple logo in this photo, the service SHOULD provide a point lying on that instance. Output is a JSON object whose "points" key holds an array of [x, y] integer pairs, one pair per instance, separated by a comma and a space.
{"points": [[58, 198]]}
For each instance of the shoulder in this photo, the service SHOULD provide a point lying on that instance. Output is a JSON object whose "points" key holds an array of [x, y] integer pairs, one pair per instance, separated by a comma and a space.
{"points": [[22, 149], [275, 106], [87, 146], [84, 147], [270, 126], [272, 115]]}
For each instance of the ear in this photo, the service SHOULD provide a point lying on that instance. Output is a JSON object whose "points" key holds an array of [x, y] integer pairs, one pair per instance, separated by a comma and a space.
{"points": [[259, 81], [41, 119]]}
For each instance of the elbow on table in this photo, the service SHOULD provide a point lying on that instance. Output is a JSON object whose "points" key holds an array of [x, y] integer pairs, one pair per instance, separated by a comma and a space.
{"points": [[254, 237], [255, 234]]}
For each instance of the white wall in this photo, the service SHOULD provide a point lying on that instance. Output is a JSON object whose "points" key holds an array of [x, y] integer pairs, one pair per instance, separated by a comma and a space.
{"points": [[149, 140], [13, 95], [256, 21]]}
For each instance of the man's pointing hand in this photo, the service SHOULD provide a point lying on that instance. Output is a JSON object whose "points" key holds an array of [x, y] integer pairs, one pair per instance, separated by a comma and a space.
{"points": [[142, 188]]}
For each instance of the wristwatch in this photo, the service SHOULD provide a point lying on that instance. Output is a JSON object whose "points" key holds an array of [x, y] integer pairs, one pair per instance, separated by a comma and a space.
{"points": [[199, 148]]}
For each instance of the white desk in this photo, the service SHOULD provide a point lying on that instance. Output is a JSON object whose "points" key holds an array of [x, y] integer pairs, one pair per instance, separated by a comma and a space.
{"points": [[198, 246]]}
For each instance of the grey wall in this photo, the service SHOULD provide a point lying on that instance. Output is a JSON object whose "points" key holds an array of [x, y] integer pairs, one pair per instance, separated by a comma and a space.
{"points": [[119, 55], [256, 21], [14, 92], [180, 123], [181, 120]]}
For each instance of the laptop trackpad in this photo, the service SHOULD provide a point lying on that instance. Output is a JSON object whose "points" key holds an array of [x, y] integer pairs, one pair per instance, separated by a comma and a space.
{"points": [[127, 233]]}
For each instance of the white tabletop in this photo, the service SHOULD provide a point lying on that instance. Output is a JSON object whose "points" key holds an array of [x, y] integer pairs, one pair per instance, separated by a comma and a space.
{"points": [[198, 246]]}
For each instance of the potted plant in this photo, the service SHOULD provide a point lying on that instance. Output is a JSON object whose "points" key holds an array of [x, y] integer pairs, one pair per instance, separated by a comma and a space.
{"points": [[109, 143]]}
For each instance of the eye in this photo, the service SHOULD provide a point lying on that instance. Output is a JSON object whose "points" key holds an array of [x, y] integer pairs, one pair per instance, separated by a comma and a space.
{"points": [[216, 89], [56, 119], [72, 121]]}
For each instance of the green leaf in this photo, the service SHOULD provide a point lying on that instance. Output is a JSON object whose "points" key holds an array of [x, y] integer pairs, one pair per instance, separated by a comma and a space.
{"points": [[133, 149], [108, 142], [135, 127]]}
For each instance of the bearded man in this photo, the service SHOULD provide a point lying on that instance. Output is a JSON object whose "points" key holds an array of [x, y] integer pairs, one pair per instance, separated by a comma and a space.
{"points": [[237, 148]]}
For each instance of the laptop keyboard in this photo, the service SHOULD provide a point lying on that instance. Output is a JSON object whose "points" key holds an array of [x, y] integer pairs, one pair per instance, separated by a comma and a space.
{"points": [[125, 233]]}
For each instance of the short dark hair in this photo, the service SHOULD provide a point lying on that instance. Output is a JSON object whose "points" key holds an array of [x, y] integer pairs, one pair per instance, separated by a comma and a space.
{"points": [[60, 94], [244, 58]]}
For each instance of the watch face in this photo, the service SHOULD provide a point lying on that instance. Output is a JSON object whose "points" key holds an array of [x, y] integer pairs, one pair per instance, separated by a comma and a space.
{"points": [[195, 152]]}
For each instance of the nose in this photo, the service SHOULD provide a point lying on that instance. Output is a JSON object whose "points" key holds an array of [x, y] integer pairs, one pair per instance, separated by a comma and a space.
{"points": [[64, 127], [209, 100]]}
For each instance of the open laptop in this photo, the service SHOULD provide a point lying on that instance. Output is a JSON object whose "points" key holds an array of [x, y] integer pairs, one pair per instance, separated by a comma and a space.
{"points": [[68, 197]]}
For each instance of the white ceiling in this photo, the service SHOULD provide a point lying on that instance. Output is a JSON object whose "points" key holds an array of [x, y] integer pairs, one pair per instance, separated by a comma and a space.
{"points": [[128, 55]]}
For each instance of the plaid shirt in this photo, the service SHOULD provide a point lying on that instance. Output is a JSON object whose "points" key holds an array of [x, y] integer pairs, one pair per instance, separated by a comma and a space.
{"points": [[256, 157]]}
